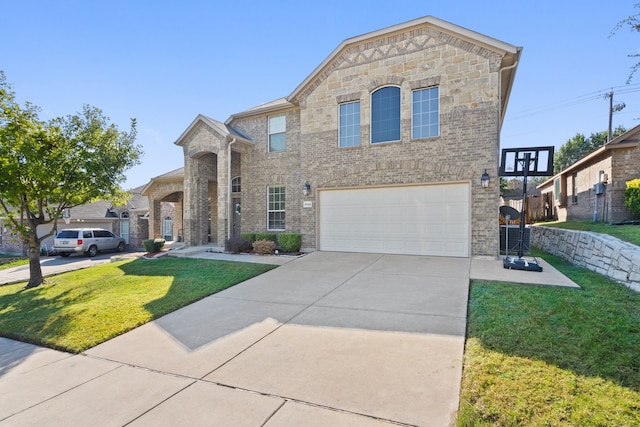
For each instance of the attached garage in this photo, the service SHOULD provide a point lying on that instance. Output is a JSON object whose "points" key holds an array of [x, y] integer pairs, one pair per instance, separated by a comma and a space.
{"points": [[415, 220]]}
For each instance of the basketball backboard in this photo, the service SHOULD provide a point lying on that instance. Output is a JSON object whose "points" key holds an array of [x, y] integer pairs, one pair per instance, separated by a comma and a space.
{"points": [[539, 159]]}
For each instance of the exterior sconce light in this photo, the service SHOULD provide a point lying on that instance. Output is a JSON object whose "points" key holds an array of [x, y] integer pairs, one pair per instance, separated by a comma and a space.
{"points": [[306, 189], [485, 179]]}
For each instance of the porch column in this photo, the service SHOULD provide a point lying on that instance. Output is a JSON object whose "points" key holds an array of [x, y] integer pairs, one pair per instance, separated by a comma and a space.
{"points": [[195, 212], [223, 192], [154, 219]]}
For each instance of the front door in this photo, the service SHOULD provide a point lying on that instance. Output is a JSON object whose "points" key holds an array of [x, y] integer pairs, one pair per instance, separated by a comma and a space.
{"points": [[236, 217]]}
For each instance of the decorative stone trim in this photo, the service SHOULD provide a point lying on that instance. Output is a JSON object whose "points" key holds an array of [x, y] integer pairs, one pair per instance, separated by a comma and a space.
{"points": [[597, 252], [424, 83], [355, 96]]}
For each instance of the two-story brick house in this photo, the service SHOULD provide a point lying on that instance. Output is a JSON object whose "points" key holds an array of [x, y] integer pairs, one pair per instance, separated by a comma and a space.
{"points": [[380, 149]]}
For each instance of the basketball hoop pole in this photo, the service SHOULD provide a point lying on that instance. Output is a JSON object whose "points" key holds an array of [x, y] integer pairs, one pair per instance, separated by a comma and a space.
{"points": [[523, 212]]}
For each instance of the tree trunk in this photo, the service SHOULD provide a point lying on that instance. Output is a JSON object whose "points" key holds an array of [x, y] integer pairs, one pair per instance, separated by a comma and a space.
{"points": [[35, 271]]}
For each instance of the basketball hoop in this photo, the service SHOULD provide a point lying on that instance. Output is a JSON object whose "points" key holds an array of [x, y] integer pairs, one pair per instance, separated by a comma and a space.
{"points": [[525, 162]]}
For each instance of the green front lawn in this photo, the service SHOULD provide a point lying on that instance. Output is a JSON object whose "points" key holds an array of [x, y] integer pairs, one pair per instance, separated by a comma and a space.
{"points": [[10, 261], [545, 356], [78, 310], [628, 233]]}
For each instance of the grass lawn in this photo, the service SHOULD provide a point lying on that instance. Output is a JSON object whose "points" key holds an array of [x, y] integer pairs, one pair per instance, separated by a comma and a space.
{"points": [[628, 233], [544, 356], [10, 261], [78, 310]]}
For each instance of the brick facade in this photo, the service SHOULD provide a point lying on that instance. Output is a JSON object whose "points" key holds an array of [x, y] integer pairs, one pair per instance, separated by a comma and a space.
{"points": [[473, 74]]}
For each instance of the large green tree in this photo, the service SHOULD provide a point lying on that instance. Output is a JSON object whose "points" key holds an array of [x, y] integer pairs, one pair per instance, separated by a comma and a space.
{"points": [[579, 146], [47, 167]]}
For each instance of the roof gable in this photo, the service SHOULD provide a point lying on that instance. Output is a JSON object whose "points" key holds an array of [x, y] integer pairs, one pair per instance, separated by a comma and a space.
{"points": [[223, 130], [397, 40], [392, 37]]}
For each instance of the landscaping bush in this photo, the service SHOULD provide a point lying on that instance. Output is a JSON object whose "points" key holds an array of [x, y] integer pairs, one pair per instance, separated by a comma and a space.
{"points": [[290, 242], [264, 247], [632, 197], [153, 245], [235, 245], [266, 236], [251, 237]]}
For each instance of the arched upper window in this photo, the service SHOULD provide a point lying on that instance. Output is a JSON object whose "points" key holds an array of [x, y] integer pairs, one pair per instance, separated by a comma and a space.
{"points": [[235, 185], [385, 114], [124, 215]]}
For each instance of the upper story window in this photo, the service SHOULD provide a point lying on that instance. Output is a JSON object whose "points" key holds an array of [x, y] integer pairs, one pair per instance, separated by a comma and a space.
{"points": [[425, 116], [385, 114], [349, 129], [276, 208], [277, 133], [236, 185]]}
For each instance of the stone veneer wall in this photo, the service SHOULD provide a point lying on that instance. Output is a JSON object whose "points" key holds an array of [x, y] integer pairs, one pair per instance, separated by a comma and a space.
{"points": [[597, 252]]}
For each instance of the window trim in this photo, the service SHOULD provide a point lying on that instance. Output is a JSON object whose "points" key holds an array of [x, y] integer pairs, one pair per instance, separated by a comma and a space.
{"points": [[413, 136], [359, 135], [269, 133], [284, 211], [236, 183], [371, 142], [557, 190]]}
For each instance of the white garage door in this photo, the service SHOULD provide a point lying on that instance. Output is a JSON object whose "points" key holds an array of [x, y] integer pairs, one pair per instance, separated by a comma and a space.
{"points": [[418, 220]]}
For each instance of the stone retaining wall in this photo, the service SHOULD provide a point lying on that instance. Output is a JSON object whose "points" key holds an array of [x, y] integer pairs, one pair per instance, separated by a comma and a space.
{"points": [[597, 252]]}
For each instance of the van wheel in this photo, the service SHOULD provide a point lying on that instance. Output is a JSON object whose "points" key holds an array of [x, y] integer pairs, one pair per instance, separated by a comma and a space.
{"points": [[93, 251], [64, 254], [121, 247]]}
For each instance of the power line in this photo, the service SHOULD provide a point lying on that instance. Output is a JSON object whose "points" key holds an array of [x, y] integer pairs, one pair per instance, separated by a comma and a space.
{"points": [[592, 96]]}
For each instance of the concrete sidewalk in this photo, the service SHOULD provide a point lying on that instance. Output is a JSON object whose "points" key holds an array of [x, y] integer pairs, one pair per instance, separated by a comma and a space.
{"points": [[325, 339], [52, 266]]}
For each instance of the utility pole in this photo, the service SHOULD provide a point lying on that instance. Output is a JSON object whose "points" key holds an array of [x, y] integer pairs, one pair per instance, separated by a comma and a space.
{"points": [[612, 109]]}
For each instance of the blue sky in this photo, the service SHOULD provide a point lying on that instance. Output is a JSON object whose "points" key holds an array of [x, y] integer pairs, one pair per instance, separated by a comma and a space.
{"points": [[165, 62]]}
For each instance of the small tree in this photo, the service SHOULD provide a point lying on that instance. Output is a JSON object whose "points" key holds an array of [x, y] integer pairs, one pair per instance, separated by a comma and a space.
{"points": [[48, 167], [632, 197]]}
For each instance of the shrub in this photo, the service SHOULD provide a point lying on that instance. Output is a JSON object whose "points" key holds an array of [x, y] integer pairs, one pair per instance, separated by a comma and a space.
{"points": [[153, 245], [266, 236], [235, 245], [251, 237], [290, 242], [264, 247], [632, 197]]}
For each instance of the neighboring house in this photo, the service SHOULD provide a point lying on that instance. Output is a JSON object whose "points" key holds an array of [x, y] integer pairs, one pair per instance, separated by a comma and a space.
{"points": [[380, 149], [129, 221], [593, 187]]}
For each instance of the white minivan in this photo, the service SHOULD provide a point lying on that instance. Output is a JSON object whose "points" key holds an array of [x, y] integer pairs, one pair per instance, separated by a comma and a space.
{"points": [[89, 241]]}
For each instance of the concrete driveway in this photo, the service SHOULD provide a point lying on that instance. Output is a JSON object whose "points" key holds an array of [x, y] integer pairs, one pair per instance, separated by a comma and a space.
{"points": [[327, 339]]}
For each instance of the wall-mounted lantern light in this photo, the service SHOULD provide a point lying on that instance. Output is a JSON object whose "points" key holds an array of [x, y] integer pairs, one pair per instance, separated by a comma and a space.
{"points": [[306, 189], [484, 180]]}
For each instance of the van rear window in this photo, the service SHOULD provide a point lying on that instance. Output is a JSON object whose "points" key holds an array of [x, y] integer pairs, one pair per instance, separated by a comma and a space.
{"points": [[68, 234]]}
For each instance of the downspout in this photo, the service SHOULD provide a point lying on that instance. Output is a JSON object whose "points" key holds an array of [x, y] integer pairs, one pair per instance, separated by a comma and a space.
{"points": [[514, 65], [229, 207]]}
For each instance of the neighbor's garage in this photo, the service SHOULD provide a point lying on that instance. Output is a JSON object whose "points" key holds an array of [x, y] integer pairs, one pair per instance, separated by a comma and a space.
{"points": [[417, 220]]}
